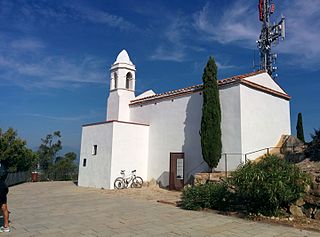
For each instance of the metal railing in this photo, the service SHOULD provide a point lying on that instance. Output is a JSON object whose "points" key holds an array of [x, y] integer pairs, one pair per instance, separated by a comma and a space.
{"points": [[267, 149], [244, 156], [58, 175], [225, 156], [17, 178]]}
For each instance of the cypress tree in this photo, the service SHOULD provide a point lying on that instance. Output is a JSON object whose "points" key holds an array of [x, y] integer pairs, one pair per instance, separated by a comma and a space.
{"points": [[211, 116], [299, 127]]}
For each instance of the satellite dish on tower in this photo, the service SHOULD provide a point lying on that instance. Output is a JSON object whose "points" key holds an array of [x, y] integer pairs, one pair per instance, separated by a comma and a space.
{"points": [[269, 36]]}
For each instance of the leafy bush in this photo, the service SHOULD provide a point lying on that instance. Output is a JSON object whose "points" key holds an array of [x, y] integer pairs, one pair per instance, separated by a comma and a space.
{"points": [[210, 195], [14, 153], [268, 185], [64, 168], [313, 150]]}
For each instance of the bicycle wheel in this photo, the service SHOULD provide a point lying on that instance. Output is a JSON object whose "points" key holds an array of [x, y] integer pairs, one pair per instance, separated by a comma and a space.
{"points": [[137, 182], [119, 183]]}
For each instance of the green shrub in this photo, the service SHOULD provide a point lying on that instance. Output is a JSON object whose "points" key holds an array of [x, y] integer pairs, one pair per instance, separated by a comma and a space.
{"points": [[313, 150], [269, 185], [210, 195]]}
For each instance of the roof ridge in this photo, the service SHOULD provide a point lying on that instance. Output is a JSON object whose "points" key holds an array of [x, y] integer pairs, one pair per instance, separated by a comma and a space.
{"points": [[198, 86]]}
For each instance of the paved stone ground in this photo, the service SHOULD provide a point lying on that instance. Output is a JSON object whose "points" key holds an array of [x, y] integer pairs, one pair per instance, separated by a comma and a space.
{"points": [[63, 209]]}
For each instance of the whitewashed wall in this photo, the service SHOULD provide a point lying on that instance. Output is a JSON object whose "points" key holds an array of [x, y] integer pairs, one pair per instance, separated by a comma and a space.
{"points": [[118, 105], [121, 146], [250, 120], [97, 171], [130, 145], [175, 126], [264, 118], [264, 79], [230, 126]]}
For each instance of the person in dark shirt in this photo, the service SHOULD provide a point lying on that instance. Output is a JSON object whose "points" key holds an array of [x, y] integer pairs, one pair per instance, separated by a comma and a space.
{"points": [[3, 199]]}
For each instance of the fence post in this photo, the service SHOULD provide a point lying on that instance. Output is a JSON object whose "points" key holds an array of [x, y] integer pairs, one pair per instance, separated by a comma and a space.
{"points": [[245, 158], [267, 151], [225, 165]]}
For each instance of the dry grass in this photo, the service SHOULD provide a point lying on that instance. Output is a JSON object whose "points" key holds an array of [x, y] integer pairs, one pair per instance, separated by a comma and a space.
{"points": [[152, 193]]}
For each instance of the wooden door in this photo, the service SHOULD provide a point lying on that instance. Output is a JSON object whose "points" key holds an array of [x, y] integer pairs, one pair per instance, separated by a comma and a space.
{"points": [[176, 179]]}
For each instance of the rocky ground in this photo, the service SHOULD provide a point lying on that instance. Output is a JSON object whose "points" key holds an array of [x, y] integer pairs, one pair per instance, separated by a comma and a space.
{"points": [[296, 222], [305, 212], [51, 209], [309, 205], [152, 192]]}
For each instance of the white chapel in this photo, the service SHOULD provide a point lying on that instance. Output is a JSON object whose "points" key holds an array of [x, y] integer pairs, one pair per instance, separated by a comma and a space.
{"points": [[158, 134]]}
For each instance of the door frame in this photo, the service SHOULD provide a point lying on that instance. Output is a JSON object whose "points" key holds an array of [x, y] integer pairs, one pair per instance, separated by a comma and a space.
{"points": [[171, 176]]}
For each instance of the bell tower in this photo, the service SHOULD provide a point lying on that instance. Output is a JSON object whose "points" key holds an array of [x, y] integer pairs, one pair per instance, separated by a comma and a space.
{"points": [[122, 87]]}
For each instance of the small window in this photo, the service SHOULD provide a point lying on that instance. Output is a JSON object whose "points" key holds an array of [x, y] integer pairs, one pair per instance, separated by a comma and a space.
{"points": [[84, 162], [94, 150]]}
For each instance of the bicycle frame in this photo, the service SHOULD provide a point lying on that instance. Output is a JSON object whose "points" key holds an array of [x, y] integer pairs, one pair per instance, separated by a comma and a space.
{"points": [[125, 181], [128, 178]]}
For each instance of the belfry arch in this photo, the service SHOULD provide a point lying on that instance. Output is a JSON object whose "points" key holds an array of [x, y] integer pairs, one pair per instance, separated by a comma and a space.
{"points": [[129, 78], [115, 78]]}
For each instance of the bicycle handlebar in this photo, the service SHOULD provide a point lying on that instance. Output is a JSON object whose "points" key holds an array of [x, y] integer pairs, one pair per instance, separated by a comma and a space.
{"points": [[123, 171]]}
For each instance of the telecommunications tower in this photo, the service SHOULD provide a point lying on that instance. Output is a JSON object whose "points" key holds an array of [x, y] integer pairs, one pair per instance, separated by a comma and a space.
{"points": [[269, 36]]}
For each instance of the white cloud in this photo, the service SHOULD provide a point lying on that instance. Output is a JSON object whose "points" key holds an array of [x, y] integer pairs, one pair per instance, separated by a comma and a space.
{"points": [[90, 114], [26, 63], [102, 17], [224, 66], [168, 54], [27, 44], [32, 13], [236, 23], [172, 48], [175, 45], [231, 25], [303, 33], [52, 72]]}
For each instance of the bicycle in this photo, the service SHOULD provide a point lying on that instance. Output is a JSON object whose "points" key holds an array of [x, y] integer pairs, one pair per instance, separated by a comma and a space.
{"points": [[124, 181]]}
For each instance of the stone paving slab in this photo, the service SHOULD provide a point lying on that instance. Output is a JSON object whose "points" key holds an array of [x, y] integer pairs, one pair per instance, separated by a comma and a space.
{"points": [[64, 209]]}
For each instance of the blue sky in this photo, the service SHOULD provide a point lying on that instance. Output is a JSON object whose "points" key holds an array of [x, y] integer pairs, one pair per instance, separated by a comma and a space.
{"points": [[55, 55]]}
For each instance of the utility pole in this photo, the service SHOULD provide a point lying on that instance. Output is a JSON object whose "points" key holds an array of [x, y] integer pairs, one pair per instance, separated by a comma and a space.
{"points": [[269, 36]]}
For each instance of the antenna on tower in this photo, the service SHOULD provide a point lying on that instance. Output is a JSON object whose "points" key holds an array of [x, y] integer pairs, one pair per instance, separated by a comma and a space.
{"points": [[269, 36]]}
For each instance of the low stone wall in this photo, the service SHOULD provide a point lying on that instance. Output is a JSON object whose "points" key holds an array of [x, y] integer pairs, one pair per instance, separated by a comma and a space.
{"points": [[309, 205], [202, 178], [17, 177]]}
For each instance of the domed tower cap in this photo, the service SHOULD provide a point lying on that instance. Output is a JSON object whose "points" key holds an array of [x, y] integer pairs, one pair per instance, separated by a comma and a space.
{"points": [[123, 57]]}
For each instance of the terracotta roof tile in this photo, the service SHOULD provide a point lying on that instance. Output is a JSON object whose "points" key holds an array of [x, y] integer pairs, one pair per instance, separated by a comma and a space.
{"points": [[113, 121], [226, 81]]}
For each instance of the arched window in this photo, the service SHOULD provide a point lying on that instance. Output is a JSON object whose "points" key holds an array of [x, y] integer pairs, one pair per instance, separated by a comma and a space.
{"points": [[128, 80], [115, 77]]}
